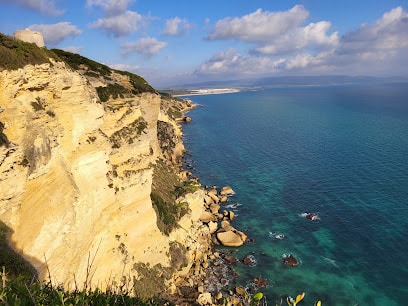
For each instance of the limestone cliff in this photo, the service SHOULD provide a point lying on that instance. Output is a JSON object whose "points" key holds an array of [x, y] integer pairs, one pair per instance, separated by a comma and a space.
{"points": [[76, 175]]}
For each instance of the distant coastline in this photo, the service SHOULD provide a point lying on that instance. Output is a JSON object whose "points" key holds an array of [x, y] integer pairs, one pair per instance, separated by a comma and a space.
{"points": [[208, 91]]}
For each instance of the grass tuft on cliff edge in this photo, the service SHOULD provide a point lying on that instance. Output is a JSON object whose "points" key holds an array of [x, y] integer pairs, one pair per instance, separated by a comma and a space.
{"points": [[15, 54], [113, 89]]}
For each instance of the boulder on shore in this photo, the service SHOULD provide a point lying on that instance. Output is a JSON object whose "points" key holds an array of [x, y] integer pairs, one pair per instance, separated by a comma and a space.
{"points": [[231, 238], [207, 217], [227, 190]]}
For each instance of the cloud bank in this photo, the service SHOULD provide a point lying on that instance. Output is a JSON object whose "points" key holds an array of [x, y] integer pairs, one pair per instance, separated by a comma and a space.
{"points": [[56, 33], [46, 7], [176, 26], [283, 42], [119, 25], [110, 7], [147, 46]]}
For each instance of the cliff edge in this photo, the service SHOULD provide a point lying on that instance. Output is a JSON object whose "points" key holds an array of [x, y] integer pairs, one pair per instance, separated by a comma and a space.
{"points": [[83, 152]]}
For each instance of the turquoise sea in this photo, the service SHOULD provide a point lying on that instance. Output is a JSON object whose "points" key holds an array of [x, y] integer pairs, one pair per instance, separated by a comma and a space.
{"points": [[339, 151]]}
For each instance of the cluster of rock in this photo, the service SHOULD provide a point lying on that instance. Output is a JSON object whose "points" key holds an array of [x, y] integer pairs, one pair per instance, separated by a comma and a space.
{"points": [[219, 222], [210, 270]]}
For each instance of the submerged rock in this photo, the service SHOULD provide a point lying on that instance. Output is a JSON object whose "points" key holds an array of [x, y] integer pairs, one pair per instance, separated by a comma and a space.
{"points": [[290, 260], [249, 260]]}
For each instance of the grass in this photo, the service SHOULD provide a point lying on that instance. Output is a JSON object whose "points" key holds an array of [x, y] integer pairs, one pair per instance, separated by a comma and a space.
{"points": [[19, 291], [129, 133], [97, 70], [166, 188], [78, 62], [15, 54]]}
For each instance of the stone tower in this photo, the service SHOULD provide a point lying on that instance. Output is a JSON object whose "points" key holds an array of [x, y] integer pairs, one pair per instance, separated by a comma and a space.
{"points": [[30, 36]]}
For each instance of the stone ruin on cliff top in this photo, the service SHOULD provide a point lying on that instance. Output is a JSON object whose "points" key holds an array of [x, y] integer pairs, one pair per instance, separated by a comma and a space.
{"points": [[30, 36]]}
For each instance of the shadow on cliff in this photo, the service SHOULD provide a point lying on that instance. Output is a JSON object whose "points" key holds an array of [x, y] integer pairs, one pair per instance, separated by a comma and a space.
{"points": [[13, 262]]}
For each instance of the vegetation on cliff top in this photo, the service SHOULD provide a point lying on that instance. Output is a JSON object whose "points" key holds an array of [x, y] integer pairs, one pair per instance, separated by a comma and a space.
{"points": [[16, 54], [92, 69]]}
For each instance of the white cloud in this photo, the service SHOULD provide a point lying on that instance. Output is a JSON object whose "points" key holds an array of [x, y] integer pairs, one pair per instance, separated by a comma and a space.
{"points": [[231, 62], [47, 7], [119, 25], [55, 33], [379, 48], [111, 7], [259, 26], [176, 26], [277, 32], [388, 34], [313, 36], [146, 46]]}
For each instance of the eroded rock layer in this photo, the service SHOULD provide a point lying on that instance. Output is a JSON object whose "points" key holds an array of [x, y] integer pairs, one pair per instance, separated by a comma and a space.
{"points": [[76, 178]]}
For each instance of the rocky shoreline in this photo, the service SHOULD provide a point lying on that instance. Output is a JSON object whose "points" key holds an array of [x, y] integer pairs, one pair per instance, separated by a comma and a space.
{"points": [[210, 280]]}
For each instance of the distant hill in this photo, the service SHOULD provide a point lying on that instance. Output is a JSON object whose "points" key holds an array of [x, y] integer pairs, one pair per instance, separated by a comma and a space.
{"points": [[291, 80]]}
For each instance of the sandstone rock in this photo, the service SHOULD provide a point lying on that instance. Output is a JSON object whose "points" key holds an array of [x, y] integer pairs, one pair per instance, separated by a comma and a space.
{"points": [[243, 236], [227, 190], [207, 217], [223, 199], [212, 191], [213, 226], [84, 177], [240, 291], [208, 199], [218, 296], [226, 226], [230, 238], [205, 299], [215, 208], [214, 197]]}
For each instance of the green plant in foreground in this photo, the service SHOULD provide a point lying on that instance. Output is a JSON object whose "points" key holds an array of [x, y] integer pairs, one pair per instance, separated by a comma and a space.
{"points": [[23, 291], [294, 302]]}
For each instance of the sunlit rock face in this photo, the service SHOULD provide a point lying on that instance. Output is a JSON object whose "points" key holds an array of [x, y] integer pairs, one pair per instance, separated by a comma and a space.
{"points": [[76, 177]]}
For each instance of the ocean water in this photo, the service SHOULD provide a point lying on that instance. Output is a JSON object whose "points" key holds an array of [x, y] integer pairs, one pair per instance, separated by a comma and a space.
{"points": [[339, 151]]}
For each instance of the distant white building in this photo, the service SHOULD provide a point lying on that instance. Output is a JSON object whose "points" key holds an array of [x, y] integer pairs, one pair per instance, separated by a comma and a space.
{"points": [[30, 36]]}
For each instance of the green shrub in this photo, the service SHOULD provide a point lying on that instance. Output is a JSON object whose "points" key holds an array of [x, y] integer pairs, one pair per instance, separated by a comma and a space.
{"points": [[16, 54], [167, 213], [76, 61], [111, 91], [139, 84], [20, 291], [128, 133]]}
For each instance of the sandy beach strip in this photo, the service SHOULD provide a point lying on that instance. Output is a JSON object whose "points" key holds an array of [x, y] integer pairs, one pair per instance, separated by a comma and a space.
{"points": [[210, 91]]}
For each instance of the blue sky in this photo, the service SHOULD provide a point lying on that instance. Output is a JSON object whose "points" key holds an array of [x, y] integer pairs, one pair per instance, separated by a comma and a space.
{"points": [[175, 42]]}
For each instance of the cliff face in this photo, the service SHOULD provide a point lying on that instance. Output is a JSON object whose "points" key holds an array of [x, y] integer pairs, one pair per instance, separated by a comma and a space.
{"points": [[76, 176]]}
